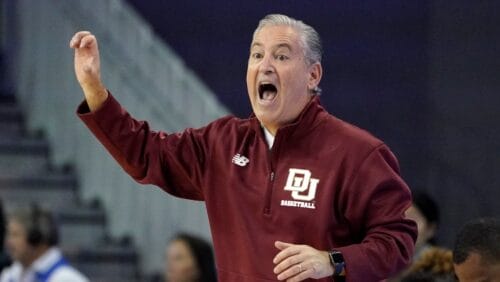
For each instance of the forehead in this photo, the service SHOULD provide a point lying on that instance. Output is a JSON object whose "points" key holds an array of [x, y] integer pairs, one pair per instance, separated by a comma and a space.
{"points": [[472, 269], [414, 213], [178, 246], [277, 35], [15, 226]]}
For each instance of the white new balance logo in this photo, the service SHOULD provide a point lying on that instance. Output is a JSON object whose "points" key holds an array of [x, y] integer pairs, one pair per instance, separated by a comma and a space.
{"points": [[240, 160]]}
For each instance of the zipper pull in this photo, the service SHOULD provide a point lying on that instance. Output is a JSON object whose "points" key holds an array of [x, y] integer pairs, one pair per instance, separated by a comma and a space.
{"points": [[272, 176]]}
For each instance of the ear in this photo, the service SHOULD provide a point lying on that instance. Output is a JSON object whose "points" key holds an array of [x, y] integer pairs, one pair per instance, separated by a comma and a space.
{"points": [[315, 73]]}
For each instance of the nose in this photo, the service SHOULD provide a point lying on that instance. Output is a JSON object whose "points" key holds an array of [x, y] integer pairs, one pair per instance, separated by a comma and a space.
{"points": [[266, 65]]}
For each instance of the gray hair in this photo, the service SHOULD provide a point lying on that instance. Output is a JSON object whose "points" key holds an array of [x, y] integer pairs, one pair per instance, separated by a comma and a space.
{"points": [[309, 37], [310, 41]]}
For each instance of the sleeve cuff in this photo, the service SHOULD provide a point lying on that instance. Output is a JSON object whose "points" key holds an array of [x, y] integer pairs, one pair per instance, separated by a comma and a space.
{"points": [[83, 108]]}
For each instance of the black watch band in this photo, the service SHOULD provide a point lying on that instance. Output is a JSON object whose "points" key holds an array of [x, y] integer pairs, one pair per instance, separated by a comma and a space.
{"points": [[337, 260]]}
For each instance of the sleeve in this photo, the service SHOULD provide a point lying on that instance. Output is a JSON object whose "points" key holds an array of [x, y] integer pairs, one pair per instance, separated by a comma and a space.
{"points": [[376, 199], [174, 162]]}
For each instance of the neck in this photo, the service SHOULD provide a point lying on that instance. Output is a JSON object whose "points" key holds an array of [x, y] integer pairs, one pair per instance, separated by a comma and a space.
{"points": [[271, 129], [33, 255]]}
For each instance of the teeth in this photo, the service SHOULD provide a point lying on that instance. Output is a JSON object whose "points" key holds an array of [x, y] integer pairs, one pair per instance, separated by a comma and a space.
{"points": [[268, 95]]}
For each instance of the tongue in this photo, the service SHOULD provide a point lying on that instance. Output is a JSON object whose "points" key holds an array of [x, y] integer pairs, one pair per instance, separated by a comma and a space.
{"points": [[268, 95]]}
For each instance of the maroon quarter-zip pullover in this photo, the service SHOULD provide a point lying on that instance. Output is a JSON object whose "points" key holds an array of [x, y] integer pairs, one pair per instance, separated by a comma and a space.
{"points": [[324, 183]]}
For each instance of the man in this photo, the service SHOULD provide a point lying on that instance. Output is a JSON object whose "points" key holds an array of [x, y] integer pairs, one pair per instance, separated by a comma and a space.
{"points": [[292, 192], [476, 254], [32, 239]]}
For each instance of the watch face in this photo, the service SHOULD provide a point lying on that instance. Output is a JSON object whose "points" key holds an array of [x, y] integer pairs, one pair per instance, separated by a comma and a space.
{"points": [[337, 257], [337, 260]]}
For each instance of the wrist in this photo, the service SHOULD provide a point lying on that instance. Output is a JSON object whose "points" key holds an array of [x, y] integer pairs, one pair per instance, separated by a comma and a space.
{"points": [[337, 262], [95, 95], [330, 267]]}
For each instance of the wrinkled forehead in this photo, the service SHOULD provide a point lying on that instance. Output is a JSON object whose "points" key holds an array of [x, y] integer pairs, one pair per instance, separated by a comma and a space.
{"points": [[277, 35]]}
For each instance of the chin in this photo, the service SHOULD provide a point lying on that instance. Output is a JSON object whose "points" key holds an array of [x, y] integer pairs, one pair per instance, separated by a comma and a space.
{"points": [[263, 117]]}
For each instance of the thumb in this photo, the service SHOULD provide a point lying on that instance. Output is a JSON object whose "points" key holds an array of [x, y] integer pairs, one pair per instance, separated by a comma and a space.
{"points": [[282, 245]]}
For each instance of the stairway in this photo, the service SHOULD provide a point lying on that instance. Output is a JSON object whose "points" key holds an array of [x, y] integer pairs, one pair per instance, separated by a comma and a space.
{"points": [[26, 176]]}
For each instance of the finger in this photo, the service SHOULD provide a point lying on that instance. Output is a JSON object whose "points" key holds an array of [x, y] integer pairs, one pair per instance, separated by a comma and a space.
{"points": [[87, 41], [290, 251], [287, 263], [282, 245], [292, 271], [305, 274], [75, 40]]}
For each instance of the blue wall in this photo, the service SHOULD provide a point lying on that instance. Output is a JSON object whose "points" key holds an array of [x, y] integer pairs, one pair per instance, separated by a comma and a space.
{"points": [[421, 75]]}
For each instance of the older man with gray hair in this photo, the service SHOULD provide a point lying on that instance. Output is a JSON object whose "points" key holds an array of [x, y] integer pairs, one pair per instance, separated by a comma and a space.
{"points": [[292, 192]]}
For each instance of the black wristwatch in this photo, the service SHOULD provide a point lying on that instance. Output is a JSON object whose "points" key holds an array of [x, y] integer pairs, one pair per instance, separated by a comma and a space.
{"points": [[337, 260]]}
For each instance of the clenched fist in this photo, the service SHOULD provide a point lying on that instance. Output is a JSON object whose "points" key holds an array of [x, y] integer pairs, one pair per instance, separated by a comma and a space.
{"points": [[88, 68]]}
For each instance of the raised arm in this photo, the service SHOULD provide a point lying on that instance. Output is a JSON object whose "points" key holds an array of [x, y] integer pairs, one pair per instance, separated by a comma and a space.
{"points": [[88, 68]]}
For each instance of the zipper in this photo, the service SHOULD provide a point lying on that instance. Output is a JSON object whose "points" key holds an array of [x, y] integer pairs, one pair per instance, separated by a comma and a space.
{"points": [[269, 193], [270, 183], [272, 159]]}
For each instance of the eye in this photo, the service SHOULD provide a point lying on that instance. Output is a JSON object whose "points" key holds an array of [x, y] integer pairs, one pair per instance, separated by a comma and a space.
{"points": [[256, 56], [281, 57]]}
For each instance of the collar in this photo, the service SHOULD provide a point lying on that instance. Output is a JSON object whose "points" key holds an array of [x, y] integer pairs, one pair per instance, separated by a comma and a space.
{"points": [[305, 122], [47, 260], [42, 264], [269, 137]]}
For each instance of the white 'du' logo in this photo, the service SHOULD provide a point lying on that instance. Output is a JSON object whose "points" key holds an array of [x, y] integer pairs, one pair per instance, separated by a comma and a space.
{"points": [[299, 181]]}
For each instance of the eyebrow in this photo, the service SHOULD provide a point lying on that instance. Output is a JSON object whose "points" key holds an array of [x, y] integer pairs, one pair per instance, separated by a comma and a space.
{"points": [[284, 45], [281, 45], [255, 44]]}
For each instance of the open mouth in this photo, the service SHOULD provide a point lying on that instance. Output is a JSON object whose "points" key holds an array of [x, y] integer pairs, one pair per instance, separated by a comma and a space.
{"points": [[267, 91]]}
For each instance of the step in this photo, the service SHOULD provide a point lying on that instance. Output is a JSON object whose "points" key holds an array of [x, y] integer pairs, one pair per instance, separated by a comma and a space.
{"points": [[23, 156], [11, 120], [81, 227], [50, 190], [109, 263]]}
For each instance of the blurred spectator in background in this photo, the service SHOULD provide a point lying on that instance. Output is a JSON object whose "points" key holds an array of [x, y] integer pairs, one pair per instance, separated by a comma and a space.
{"points": [[189, 259], [435, 264], [425, 212], [476, 255], [4, 258], [32, 239]]}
